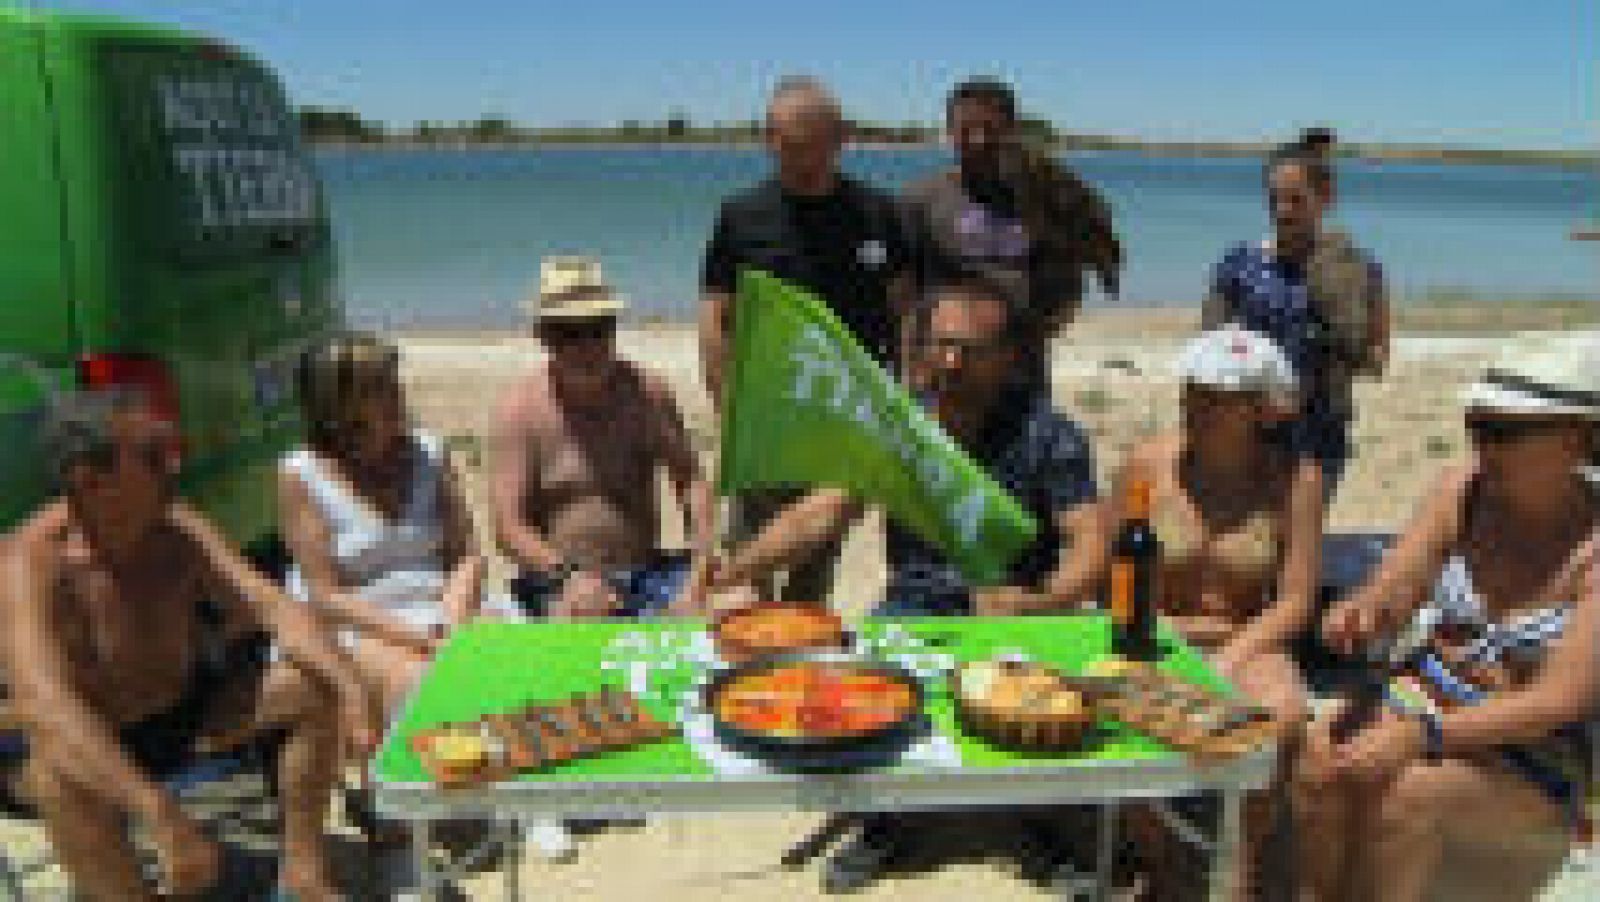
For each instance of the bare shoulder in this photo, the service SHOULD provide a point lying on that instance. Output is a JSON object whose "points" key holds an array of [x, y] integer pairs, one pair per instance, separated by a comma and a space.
{"points": [[526, 401], [1154, 456], [653, 386], [40, 538]]}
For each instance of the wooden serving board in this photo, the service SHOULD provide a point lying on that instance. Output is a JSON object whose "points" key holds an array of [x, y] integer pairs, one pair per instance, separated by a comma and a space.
{"points": [[539, 736], [1192, 719]]}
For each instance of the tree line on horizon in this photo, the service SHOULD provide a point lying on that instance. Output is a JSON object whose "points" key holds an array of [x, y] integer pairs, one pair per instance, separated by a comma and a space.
{"points": [[329, 126]]}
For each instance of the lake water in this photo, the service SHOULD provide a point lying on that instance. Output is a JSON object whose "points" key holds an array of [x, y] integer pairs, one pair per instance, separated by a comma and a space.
{"points": [[447, 238]]}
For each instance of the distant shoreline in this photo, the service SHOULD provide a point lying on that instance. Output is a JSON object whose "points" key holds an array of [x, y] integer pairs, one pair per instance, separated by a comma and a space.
{"points": [[1374, 153], [1443, 316]]}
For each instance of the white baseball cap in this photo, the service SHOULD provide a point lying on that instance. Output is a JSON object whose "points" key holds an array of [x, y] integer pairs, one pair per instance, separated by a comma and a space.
{"points": [[1232, 358]]}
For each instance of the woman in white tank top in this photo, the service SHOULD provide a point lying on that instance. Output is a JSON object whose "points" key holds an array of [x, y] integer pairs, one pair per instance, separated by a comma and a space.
{"points": [[379, 531]]}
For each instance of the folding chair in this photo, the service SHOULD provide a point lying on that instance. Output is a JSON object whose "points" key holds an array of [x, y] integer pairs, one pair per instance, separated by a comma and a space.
{"points": [[17, 873]]}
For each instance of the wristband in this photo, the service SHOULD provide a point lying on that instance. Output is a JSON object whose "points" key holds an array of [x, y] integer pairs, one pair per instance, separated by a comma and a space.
{"points": [[1432, 737]]}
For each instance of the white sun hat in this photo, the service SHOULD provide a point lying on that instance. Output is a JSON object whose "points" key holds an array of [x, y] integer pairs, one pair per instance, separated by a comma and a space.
{"points": [[1553, 376], [1232, 358]]}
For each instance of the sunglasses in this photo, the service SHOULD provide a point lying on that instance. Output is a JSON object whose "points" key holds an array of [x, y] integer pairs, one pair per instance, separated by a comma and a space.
{"points": [[567, 334], [1491, 431]]}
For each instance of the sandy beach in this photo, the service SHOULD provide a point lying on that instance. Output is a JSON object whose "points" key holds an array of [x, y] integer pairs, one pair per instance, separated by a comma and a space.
{"points": [[1112, 372]]}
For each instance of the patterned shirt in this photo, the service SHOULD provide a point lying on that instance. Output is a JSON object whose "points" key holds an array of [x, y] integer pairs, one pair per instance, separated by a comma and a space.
{"points": [[1044, 460], [1266, 293]]}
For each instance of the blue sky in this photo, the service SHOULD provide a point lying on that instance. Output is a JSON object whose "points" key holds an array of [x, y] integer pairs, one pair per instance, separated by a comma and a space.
{"points": [[1482, 72]]}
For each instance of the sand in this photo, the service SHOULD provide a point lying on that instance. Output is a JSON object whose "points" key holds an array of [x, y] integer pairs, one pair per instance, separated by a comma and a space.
{"points": [[1112, 373]]}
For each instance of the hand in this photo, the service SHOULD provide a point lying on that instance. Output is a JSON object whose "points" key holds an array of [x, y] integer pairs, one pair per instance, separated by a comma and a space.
{"points": [[1230, 658], [1351, 625], [361, 720], [587, 594], [1380, 751], [1004, 601], [697, 589], [190, 862]]}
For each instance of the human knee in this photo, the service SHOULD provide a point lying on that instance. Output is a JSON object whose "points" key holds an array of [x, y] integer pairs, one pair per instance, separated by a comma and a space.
{"points": [[1415, 802]]}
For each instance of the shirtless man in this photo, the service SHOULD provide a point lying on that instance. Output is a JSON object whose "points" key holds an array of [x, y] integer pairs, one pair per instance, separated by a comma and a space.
{"points": [[575, 454], [119, 682]]}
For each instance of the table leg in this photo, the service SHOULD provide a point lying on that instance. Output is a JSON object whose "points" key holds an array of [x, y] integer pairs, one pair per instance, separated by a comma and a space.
{"points": [[513, 861], [1225, 858], [1106, 851], [430, 884]]}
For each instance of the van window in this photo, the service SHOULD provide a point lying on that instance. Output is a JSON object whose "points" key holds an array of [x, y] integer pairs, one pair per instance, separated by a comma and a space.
{"points": [[213, 165]]}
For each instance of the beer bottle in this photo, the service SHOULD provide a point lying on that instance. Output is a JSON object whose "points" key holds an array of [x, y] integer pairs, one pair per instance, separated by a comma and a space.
{"points": [[1135, 557]]}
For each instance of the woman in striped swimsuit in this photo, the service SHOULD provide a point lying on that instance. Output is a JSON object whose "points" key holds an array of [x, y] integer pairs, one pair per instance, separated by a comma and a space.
{"points": [[1494, 593]]}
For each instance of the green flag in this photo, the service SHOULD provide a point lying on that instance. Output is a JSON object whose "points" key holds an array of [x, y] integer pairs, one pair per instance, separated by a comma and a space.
{"points": [[804, 404]]}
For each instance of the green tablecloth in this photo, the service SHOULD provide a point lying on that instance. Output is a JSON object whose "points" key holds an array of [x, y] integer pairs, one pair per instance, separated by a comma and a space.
{"points": [[490, 667]]}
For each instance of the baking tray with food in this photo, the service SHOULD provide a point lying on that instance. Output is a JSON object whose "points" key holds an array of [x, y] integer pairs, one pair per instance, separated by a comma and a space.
{"points": [[501, 745], [817, 711]]}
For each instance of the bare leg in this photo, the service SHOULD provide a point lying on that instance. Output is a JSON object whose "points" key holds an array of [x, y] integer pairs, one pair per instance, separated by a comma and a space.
{"points": [[88, 835], [1324, 815], [1427, 803], [307, 773], [388, 670], [1272, 681]]}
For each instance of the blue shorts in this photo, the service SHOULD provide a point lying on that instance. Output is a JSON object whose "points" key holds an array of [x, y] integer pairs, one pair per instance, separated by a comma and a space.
{"points": [[644, 591], [902, 601]]}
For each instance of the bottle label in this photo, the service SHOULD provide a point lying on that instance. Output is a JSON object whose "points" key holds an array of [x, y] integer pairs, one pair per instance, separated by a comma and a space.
{"points": [[1122, 579]]}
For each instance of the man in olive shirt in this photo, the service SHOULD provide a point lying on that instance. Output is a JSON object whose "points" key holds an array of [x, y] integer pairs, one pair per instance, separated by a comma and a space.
{"points": [[1013, 216], [810, 225]]}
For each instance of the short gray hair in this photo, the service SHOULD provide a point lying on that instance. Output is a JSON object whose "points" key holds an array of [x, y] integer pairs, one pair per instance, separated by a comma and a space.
{"points": [[79, 429], [804, 86]]}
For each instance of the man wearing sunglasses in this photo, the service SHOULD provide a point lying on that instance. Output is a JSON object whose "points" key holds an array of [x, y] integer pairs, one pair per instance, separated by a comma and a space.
{"points": [[121, 682], [576, 450], [966, 368]]}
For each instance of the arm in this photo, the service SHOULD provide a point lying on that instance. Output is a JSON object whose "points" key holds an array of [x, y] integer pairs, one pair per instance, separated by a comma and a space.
{"points": [[719, 279], [310, 541], [1378, 321], [1085, 552], [512, 445], [58, 719], [298, 633], [1408, 570], [689, 481], [463, 590], [1064, 480], [1565, 690], [716, 325], [1277, 626], [790, 536], [1217, 307], [696, 496]]}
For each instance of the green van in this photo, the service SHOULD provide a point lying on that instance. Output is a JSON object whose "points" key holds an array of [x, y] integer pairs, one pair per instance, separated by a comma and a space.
{"points": [[161, 226]]}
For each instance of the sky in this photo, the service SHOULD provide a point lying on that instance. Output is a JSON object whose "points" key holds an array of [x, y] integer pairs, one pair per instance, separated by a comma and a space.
{"points": [[1495, 73]]}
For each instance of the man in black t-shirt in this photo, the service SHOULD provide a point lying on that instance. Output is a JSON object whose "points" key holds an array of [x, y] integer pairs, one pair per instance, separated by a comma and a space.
{"points": [[812, 226], [1014, 216]]}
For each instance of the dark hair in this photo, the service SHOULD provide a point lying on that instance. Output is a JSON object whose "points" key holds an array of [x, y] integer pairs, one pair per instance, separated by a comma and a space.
{"points": [[79, 430], [1312, 152], [984, 90], [333, 377]]}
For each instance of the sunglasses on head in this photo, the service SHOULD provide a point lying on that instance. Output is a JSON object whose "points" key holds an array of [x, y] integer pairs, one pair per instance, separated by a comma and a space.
{"points": [[1489, 429], [577, 331]]}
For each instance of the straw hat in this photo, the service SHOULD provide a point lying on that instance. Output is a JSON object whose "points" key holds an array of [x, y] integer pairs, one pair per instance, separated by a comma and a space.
{"points": [[1235, 359], [1552, 377], [573, 288], [1559, 376]]}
